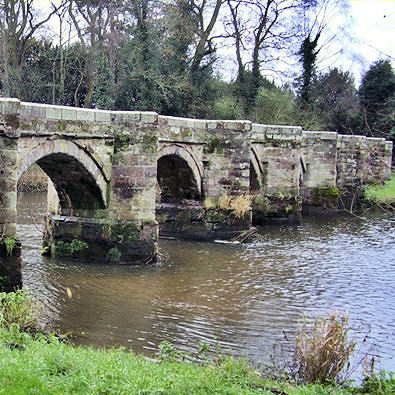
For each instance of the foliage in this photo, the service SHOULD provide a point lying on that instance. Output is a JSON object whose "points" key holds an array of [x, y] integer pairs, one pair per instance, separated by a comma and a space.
{"points": [[336, 102], [113, 255], [275, 105], [17, 308], [65, 248], [78, 245], [322, 349], [380, 383], [10, 244], [381, 194], [377, 94]]}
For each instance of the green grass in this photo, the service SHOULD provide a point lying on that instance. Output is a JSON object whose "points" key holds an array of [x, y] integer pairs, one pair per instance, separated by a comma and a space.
{"points": [[35, 363], [44, 365], [382, 194]]}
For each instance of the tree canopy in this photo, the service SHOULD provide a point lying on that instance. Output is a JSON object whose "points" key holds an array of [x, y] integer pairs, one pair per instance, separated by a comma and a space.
{"points": [[164, 56]]}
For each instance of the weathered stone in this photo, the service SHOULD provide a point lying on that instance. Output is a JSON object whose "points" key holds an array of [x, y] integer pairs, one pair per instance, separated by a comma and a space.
{"points": [[109, 169]]}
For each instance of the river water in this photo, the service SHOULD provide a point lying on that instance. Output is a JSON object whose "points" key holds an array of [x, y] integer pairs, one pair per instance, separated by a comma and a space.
{"points": [[245, 299]]}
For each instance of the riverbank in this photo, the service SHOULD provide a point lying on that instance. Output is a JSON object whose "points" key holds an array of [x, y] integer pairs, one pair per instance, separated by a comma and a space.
{"points": [[34, 362], [45, 365], [381, 194]]}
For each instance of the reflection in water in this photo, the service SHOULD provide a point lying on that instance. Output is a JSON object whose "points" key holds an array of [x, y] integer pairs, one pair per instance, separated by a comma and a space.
{"points": [[244, 298]]}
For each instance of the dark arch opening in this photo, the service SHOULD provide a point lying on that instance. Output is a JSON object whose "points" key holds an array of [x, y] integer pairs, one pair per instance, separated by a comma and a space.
{"points": [[176, 180], [76, 187], [254, 183]]}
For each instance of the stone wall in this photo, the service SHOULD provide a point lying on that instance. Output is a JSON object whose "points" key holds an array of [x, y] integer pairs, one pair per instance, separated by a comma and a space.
{"points": [[218, 153], [278, 164]]}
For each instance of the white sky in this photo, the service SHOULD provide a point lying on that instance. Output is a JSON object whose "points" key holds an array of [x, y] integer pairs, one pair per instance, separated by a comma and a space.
{"points": [[373, 33]]}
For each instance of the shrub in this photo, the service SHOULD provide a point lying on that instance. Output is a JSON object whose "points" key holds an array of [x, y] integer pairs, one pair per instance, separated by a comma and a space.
{"points": [[322, 349], [18, 308]]}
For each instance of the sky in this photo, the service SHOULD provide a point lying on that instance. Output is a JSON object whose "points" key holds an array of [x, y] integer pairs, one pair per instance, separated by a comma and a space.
{"points": [[372, 31]]}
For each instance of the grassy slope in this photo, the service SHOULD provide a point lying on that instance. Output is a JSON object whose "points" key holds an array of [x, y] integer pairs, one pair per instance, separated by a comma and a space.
{"points": [[55, 368], [382, 194]]}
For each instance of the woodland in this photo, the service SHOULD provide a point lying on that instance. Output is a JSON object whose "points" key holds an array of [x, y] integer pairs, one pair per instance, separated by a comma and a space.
{"points": [[216, 59]]}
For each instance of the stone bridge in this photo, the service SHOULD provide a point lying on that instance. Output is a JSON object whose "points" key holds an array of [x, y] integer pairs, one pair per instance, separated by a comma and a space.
{"points": [[118, 179]]}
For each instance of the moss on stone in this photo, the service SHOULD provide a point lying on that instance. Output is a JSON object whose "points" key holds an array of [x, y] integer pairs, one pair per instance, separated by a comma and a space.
{"points": [[150, 143], [113, 255], [327, 196], [122, 143], [186, 133], [215, 144], [128, 232]]}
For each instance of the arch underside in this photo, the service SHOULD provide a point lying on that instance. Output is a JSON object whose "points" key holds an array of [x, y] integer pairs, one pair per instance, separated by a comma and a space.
{"points": [[176, 180], [78, 180], [76, 188]]}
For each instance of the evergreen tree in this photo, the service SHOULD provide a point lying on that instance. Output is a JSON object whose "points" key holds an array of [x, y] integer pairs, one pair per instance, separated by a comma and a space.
{"points": [[336, 102], [377, 95]]}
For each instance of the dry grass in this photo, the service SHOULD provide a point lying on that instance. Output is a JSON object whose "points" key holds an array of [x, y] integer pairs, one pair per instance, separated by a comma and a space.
{"points": [[241, 205], [210, 203], [224, 202], [322, 349]]}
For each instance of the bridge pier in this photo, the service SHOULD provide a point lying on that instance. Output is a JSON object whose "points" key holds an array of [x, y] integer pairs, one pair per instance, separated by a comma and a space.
{"points": [[10, 248], [100, 241]]}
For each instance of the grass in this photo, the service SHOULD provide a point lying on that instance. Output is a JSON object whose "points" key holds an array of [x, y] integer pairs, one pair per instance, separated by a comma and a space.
{"points": [[34, 363], [17, 308], [241, 205], [44, 365], [382, 194]]}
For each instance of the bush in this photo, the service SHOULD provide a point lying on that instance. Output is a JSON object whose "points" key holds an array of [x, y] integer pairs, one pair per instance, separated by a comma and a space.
{"points": [[18, 308], [322, 349]]}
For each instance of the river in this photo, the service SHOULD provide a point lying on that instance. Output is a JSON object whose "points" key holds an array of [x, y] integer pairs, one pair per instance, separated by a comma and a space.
{"points": [[245, 299]]}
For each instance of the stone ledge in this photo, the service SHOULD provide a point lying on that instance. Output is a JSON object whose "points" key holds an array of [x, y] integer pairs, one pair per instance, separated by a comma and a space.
{"points": [[322, 135]]}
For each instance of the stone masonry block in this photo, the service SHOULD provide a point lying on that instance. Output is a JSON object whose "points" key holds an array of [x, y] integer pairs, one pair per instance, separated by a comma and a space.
{"points": [[126, 117], [103, 116], [54, 113], [85, 115], [69, 114], [9, 106], [149, 117]]}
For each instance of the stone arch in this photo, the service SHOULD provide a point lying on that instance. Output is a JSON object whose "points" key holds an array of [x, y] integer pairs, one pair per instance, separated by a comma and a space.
{"points": [[189, 157], [78, 179]]}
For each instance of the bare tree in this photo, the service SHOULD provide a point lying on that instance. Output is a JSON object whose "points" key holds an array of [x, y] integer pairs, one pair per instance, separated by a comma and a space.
{"points": [[262, 31], [19, 23], [205, 45], [91, 20]]}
